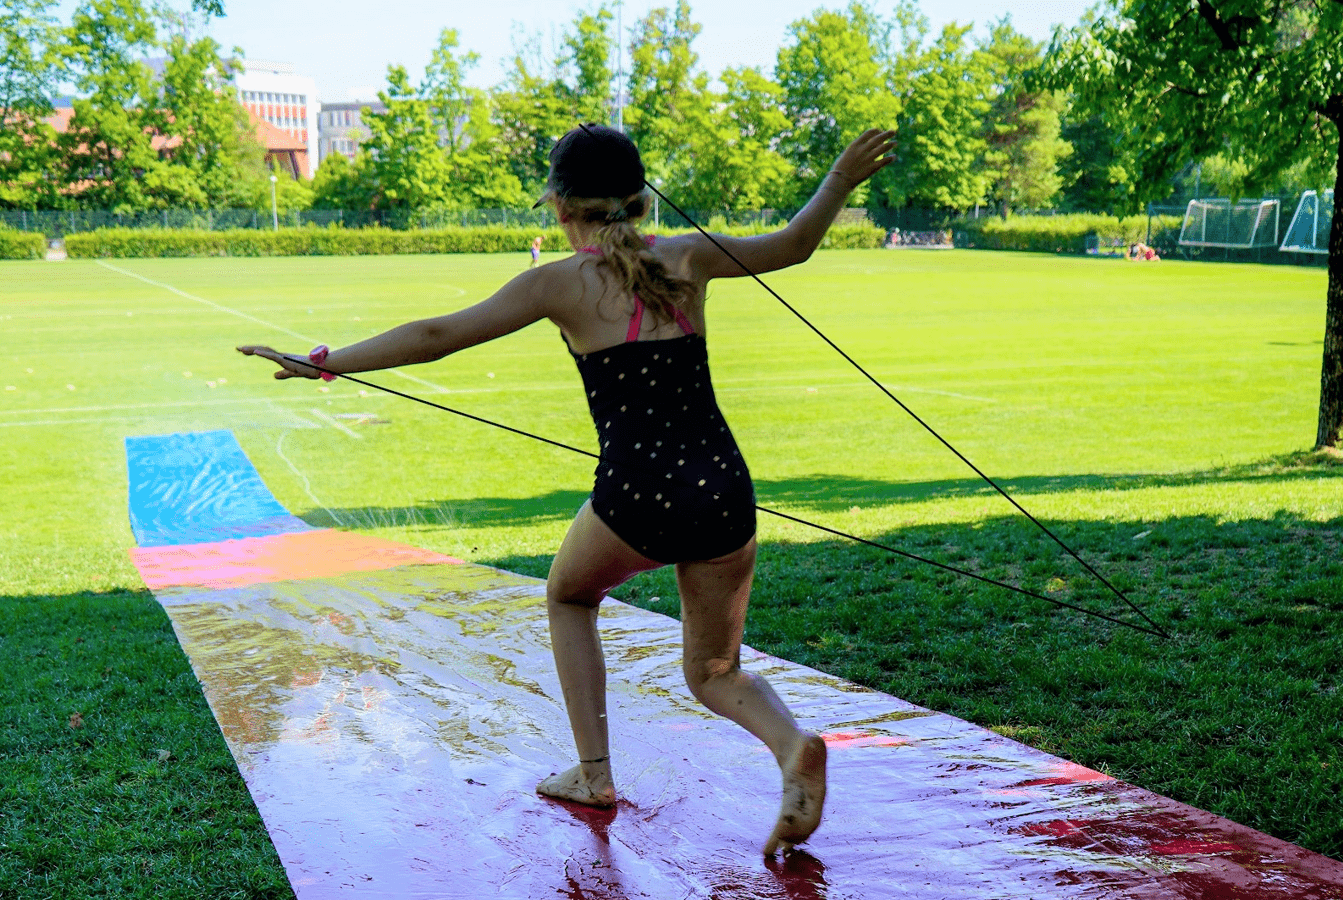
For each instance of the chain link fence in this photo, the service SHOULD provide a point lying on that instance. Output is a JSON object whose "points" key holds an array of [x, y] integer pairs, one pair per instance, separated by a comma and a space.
{"points": [[58, 223]]}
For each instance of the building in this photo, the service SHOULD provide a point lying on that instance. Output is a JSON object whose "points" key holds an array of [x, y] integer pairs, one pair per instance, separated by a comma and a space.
{"points": [[288, 152], [274, 94], [341, 128]]}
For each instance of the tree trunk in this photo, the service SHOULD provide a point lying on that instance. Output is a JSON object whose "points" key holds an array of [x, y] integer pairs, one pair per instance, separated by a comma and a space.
{"points": [[1331, 371]]}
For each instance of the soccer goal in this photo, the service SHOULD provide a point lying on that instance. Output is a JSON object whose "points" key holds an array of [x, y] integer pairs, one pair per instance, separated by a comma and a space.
{"points": [[1240, 224], [1309, 231]]}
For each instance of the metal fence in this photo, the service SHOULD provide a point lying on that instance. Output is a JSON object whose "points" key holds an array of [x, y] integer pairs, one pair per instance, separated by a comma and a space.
{"points": [[57, 223]]}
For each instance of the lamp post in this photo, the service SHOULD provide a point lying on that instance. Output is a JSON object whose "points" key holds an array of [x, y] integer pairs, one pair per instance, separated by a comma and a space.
{"points": [[274, 211]]}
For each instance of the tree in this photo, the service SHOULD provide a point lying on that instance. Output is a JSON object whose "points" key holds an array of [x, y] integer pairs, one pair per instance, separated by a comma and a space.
{"points": [[1024, 144], [1095, 176], [838, 77], [213, 146], [107, 152], [30, 68], [543, 97], [342, 184], [941, 144], [407, 168], [1260, 79], [669, 99], [587, 48], [734, 165]]}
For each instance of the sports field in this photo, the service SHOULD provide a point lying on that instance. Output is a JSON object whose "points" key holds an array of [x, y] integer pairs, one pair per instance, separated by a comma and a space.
{"points": [[1156, 417]]}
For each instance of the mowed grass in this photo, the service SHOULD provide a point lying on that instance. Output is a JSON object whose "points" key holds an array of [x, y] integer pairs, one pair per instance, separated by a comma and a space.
{"points": [[1157, 418]]}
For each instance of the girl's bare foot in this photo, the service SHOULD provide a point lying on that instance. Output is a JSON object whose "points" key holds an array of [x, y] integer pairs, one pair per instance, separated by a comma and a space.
{"points": [[586, 783], [803, 795]]}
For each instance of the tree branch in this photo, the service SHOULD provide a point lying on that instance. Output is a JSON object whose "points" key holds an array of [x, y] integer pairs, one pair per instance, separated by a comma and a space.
{"points": [[1224, 29]]}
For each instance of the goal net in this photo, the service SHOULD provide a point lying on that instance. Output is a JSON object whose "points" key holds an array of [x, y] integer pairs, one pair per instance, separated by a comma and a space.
{"points": [[1309, 231], [1242, 224]]}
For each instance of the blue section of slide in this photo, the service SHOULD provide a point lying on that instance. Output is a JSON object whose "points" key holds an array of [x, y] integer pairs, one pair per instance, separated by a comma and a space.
{"points": [[197, 488]]}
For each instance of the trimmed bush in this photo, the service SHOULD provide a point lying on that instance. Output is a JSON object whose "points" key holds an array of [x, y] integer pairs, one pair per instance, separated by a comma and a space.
{"points": [[337, 241], [1063, 234], [331, 241], [22, 245]]}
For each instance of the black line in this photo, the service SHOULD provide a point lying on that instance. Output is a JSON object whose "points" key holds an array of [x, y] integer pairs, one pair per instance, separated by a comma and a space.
{"points": [[763, 509], [881, 387]]}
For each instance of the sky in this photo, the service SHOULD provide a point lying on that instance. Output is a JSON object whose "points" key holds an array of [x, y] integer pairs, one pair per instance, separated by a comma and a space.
{"points": [[348, 46]]}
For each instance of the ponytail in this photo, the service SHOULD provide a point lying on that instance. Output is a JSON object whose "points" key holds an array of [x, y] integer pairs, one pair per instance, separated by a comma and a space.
{"points": [[626, 253]]}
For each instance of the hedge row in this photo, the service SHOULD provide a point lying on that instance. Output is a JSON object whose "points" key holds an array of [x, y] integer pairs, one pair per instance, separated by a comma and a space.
{"points": [[22, 245], [333, 241], [145, 242], [1065, 233]]}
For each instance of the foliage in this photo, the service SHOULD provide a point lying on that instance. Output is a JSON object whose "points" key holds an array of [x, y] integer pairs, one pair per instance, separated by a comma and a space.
{"points": [[839, 79], [1257, 79], [340, 183], [198, 114], [108, 149], [1094, 176], [669, 99], [30, 67], [543, 98], [21, 244], [406, 166], [337, 241], [1023, 126], [435, 144], [941, 129], [1180, 82], [1065, 233], [732, 163]]}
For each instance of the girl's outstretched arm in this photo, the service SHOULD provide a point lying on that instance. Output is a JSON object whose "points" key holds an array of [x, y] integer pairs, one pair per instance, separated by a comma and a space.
{"points": [[522, 301], [795, 242]]}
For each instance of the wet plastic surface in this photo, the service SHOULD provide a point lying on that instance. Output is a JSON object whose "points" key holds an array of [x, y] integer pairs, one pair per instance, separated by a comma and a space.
{"points": [[391, 725]]}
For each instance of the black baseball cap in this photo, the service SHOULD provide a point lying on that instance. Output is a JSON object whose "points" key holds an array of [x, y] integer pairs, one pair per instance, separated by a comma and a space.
{"points": [[594, 161]]}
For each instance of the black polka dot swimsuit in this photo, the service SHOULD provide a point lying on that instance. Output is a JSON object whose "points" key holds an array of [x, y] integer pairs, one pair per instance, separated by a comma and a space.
{"points": [[671, 482]]}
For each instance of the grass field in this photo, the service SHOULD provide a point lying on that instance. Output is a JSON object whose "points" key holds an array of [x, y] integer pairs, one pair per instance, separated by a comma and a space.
{"points": [[1155, 417]]}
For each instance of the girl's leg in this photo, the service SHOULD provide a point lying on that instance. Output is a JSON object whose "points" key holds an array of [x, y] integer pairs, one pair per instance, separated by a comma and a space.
{"points": [[590, 561], [714, 597]]}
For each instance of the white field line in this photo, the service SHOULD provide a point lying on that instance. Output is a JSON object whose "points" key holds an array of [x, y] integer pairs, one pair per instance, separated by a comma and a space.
{"points": [[335, 424], [307, 485], [251, 318]]}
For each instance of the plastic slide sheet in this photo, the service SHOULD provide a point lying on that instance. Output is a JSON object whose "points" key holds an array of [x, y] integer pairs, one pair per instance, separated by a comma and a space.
{"points": [[391, 714]]}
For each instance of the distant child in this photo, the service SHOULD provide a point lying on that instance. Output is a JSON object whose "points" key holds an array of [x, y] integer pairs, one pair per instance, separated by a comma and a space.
{"points": [[536, 252]]}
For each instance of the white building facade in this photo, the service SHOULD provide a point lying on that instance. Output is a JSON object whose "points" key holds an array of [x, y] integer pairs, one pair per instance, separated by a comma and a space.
{"points": [[289, 102]]}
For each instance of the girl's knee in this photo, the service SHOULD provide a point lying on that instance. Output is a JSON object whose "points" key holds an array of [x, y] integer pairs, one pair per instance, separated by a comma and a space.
{"points": [[700, 672], [559, 593]]}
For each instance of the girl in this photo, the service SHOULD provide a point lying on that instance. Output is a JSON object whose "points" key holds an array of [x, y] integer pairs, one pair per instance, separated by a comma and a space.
{"points": [[671, 487]]}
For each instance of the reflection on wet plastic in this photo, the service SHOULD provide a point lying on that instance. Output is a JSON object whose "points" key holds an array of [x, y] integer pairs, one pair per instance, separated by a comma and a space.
{"points": [[392, 725], [392, 722]]}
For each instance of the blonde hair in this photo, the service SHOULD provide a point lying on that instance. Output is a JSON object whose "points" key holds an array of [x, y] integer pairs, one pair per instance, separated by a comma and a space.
{"points": [[625, 253]]}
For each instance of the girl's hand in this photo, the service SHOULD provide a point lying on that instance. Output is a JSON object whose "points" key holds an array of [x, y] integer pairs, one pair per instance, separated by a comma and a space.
{"points": [[865, 156], [290, 366]]}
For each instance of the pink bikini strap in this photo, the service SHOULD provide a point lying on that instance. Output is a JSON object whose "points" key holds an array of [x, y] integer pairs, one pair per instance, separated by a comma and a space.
{"points": [[637, 320]]}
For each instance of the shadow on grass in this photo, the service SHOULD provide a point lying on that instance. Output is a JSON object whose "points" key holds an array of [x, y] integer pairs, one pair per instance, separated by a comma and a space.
{"points": [[1239, 713], [92, 805], [827, 493]]}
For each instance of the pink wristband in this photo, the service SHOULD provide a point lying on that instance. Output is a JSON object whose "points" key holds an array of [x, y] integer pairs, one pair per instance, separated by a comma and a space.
{"points": [[317, 357]]}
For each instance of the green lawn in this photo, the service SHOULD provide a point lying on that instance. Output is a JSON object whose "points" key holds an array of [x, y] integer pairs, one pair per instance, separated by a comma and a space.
{"points": [[1156, 417]]}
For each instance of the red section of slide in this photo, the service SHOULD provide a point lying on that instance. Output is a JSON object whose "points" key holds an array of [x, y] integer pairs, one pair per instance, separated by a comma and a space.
{"points": [[392, 725]]}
